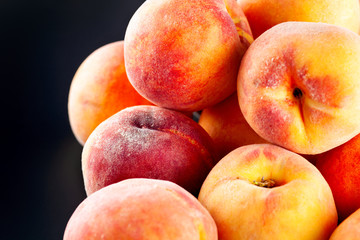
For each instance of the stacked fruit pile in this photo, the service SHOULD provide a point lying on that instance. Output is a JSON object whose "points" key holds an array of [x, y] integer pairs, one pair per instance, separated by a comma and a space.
{"points": [[222, 119]]}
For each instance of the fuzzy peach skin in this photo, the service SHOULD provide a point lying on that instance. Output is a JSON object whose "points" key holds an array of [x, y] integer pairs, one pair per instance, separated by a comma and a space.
{"points": [[139, 209], [262, 191], [227, 126], [299, 86], [341, 169], [99, 89], [148, 142], [349, 229], [264, 14], [184, 54]]}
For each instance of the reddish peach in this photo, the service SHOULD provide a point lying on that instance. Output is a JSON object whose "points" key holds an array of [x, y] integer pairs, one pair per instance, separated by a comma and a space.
{"points": [[139, 209], [298, 86], [183, 54], [99, 89], [263, 191], [227, 126], [349, 229], [148, 142], [264, 14], [341, 169]]}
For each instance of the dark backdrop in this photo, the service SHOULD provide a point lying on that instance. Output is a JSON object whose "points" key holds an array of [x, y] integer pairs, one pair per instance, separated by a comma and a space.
{"points": [[43, 42]]}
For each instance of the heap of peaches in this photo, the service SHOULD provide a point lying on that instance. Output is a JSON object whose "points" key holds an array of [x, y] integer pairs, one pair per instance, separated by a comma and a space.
{"points": [[222, 119]]}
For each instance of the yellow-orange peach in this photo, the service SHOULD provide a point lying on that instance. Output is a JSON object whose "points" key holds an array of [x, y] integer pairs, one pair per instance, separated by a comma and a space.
{"points": [[141, 209], [264, 14], [299, 86], [341, 169], [227, 126], [183, 54], [99, 89], [263, 191], [148, 142], [349, 229]]}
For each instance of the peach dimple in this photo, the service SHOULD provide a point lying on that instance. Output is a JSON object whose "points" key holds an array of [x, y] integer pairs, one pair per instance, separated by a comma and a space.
{"points": [[270, 193], [292, 99]]}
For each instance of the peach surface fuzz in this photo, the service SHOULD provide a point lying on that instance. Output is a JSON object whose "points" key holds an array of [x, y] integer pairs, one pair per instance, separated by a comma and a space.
{"points": [[148, 142], [262, 191], [141, 209], [184, 54], [298, 86]]}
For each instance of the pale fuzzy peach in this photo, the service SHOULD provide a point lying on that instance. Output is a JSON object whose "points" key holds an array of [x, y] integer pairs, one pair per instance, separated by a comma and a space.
{"points": [[264, 14], [183, 54], [298, 86], [139, 209], [297, 204]]}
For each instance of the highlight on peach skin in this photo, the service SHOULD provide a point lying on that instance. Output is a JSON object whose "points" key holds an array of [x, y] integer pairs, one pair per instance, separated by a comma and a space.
{"points": [[227, 126], [148, 142], [185, 55], [262, 191], [298, 86], [341, 169], [99, 89], [142, 209], [264, 14]]}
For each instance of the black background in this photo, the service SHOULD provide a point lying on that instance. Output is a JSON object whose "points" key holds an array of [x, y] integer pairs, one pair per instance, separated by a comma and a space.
{"points": [[42, 45]]}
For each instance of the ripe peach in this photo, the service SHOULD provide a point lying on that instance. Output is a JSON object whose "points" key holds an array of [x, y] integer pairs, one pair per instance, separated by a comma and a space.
{"points": [[341, 169], [349, 229], [263, 191], [136, 209], [99, 89], [264, 14], [298, 86], [148, 142], [183, 54], [227, 126]]}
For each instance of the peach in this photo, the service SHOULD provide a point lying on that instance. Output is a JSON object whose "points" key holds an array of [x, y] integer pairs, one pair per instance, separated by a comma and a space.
{"points": [[227, 126], [349, 229], [185, 55], [99, 89], [341, 169], [264, 14], [136, 209], [262, 191], [148, 142], [299, 86]]}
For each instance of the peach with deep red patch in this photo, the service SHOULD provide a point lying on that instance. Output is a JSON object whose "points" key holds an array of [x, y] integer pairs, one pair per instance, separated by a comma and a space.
{"points": [[99, 89], [185, 55], [138, 209], [341, 169], [298, 86], [263, 191], [148, 142]]}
